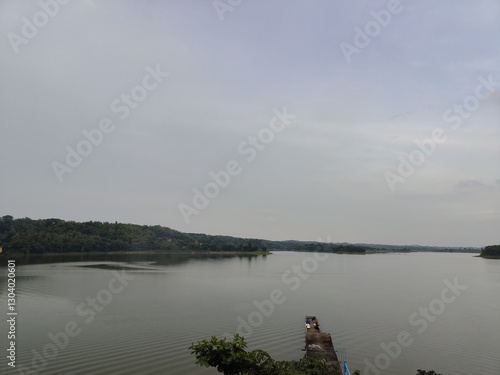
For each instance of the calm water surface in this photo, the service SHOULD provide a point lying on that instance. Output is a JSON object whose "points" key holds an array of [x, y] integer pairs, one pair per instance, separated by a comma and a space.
{"points": [[146, 326]]}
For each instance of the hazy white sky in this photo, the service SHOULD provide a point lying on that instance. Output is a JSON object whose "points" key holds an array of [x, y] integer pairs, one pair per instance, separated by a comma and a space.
{"points": [[431, 66]]}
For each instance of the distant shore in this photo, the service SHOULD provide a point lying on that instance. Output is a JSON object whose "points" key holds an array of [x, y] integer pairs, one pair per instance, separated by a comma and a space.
{"points": [[230, 252], [211, 252], [137, 252]]}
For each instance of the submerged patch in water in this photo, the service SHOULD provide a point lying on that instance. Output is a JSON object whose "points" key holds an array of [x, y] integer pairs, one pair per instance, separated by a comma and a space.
{"points": [[110, 267]]}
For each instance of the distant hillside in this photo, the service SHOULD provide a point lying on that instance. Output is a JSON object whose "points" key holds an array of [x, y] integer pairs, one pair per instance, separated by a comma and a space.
{"points": [[58, 236], [491, 251], [420, 248]]}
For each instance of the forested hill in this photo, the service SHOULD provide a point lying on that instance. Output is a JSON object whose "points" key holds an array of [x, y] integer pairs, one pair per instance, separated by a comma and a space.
{"points": [[58, 236], [491, 251]]}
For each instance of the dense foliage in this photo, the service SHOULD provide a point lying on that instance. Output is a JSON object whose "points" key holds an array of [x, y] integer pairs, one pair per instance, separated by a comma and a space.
{"points": [[334, 248], [491, 251], [59, 236], [227, 243], [231, 358]]}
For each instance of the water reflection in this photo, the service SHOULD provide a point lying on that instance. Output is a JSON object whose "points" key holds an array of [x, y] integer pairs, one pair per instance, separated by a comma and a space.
{"points": [[164, 259]]}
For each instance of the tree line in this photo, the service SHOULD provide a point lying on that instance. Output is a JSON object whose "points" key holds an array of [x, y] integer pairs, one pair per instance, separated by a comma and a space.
{"points": [[491, 251], [25, 235]]}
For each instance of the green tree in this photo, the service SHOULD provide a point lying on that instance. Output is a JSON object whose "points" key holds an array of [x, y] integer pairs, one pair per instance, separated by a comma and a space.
{"points": [[493, 250], [231, 358]]}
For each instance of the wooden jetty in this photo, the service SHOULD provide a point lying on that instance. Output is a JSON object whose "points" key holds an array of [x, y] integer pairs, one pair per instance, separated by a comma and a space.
{"points": [[319, 344]]}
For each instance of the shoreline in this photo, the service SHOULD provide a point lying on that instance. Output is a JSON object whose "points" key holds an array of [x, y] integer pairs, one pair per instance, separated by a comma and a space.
{"points": [[136, 252], [211, 252]]}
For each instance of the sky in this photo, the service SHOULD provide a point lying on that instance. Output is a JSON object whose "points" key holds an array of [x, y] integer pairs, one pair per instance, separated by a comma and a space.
{"points": [[348, 121]]}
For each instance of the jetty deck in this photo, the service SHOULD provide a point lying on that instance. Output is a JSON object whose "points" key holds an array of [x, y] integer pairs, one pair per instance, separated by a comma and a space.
{"points": [[318, 343]]}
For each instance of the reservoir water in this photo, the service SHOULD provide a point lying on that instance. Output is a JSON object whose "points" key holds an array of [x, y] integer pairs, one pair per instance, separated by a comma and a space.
{"points": [[138, 314]]}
